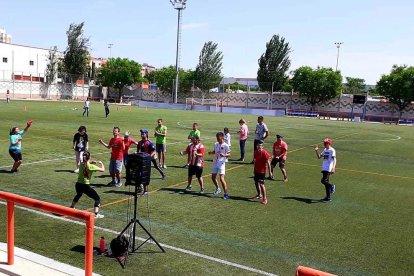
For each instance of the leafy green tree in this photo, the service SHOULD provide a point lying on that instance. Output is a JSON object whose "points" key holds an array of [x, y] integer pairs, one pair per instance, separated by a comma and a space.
{"points": [[165, 78], [119, 72], [274, 64], [354, 86], [208, 70], [76, 55], [317, 85], [398, 86], [52, 65]]}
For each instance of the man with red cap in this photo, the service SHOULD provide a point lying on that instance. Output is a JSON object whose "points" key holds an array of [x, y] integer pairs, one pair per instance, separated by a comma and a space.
{"points": [[328, 167]]}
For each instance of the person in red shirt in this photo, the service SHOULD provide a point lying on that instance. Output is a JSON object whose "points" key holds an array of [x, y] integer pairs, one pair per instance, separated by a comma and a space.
{"points": [[128, 141], [279, 156], [195, 151], [261, 162], [117, 146]]}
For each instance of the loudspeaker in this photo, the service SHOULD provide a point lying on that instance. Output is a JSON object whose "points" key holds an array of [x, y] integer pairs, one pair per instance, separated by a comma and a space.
{"points": [[358, 99], [138, 169]]}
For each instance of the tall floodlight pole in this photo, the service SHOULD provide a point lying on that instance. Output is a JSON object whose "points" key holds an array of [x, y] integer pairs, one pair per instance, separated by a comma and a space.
{"points": [[179, 5], [338, 45], [110, 49]]}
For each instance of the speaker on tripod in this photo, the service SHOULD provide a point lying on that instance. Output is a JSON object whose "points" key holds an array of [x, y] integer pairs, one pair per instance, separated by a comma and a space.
{"points": [[138, 173], [138, 169]]}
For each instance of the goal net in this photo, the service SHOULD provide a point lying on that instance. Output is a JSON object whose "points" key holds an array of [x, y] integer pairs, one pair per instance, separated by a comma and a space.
{"points": [[191, 102]]}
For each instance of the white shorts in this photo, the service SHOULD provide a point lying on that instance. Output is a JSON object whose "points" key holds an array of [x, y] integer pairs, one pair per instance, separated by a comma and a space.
{"points": [[221, 170]]}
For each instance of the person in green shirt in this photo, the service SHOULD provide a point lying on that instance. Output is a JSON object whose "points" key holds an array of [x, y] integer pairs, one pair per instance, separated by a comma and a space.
{"points": [[86, 169], [194, 131], [161, 142]]}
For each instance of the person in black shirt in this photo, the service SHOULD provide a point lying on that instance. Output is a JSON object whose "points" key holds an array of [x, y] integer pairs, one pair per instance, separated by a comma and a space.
{"points": [[80, 144], [106, 105]]}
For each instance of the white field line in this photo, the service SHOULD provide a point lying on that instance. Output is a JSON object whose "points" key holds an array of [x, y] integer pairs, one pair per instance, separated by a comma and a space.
{"points": [[189, 252]]}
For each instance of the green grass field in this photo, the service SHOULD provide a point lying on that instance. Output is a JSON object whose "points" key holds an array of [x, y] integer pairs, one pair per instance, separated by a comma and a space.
{"points": [[366, 230]]}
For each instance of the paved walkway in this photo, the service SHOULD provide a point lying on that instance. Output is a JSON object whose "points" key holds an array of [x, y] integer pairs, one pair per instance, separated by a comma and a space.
{"points": [[31, 264]]}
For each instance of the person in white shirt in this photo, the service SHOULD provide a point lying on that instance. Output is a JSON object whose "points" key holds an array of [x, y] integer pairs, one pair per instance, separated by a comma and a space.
{"points": [[261, 133], [86, 108], [227, 139], [221, 153], [328, 167]]}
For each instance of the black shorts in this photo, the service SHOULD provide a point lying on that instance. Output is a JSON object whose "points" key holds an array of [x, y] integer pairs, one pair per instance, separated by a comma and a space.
{"points": [[259, 177], [16, 155], [195, 170], [281, 162]]}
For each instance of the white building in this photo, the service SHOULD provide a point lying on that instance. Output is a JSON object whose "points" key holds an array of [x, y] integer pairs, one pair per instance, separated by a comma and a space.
{"points": [[21, 62]]}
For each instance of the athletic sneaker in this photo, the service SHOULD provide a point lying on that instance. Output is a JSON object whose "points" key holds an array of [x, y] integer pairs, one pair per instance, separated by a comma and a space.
{"points": [[285, 180], [119, 184], [326, 200], [333, 189], [226, 196], [264, 201], [188, 188], [97, 216], [202, 191], [76, 171], [112, 183], [145, 193], [256, 197], [164, 166], [217, 191], [140, 188]]}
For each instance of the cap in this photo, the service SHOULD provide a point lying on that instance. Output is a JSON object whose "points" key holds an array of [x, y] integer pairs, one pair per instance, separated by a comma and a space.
{"points": [[126, 133], [279, 135], [260, 142], [143, 131], [328, 141], [195, 137]]}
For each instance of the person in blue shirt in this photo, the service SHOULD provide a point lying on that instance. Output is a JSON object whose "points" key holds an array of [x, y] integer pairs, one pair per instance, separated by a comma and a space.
{"points": [[15, 148]]}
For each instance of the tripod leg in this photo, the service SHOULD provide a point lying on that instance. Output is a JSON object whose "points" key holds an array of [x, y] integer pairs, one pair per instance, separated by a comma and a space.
{"points": [[151, 237]]}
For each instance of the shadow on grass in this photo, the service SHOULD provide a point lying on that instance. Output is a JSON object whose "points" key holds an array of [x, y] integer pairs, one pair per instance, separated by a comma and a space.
{"points": [[103, 176], [101, 185], [66, 171], [196, 193], [240, 198], [81, 249], [239, 162], [184, 192], [302, 199], [178, 167], [120, 192], [5, 171]]}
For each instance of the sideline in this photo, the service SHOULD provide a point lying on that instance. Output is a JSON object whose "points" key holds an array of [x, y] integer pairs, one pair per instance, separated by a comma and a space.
{"points": [[189, 252]]}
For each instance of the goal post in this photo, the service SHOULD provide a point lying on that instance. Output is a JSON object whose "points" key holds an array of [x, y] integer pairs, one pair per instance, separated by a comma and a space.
{"points": [[191, 102]]}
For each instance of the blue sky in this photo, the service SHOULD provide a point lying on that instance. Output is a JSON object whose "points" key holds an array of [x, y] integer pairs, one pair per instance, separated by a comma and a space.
{"points": [[376, 34]]}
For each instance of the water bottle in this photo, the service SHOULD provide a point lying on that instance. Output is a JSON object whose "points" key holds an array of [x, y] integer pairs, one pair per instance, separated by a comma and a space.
{"points": [[102, 248]]}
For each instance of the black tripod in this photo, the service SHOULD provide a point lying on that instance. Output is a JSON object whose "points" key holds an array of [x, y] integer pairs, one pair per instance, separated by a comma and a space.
{"points": [[133, 223]]}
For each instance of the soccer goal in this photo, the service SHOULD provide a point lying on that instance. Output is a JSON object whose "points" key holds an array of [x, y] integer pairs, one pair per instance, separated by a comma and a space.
{"points": [[191, 102]]}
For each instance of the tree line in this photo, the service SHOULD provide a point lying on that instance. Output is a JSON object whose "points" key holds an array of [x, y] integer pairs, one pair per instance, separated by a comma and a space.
{"points": [[316, 84]]}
